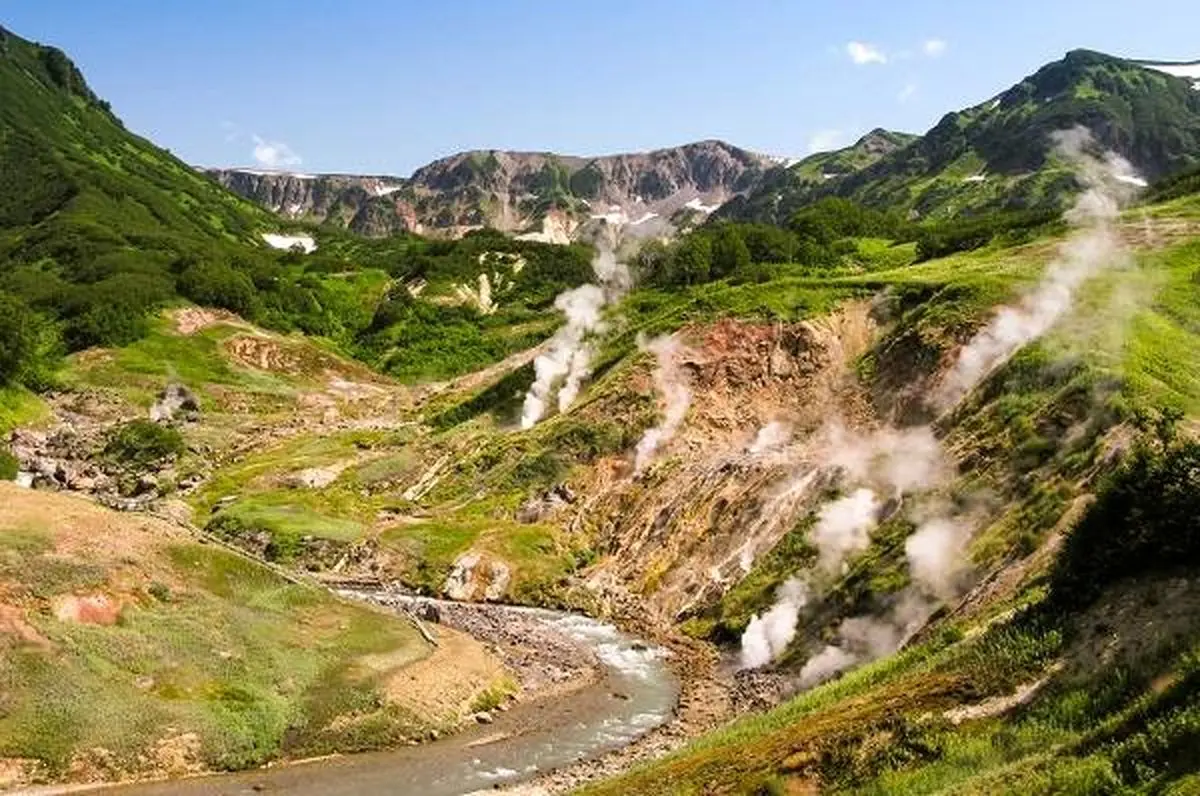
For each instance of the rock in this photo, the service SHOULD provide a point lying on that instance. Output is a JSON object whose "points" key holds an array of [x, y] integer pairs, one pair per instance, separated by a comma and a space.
{"points": [[313, 478], [82, 483], [146, 485], [545, 504], [428, 612], [483, 717], [175, 400]]}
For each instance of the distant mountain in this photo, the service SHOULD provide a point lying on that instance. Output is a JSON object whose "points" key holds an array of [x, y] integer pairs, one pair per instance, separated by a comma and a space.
{"points": [[541, 196], [998, 154]]}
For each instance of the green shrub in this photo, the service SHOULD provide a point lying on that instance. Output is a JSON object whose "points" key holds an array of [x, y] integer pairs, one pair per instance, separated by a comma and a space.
{"points": [[141, 443], [8, 466], [1146, 519], [216, 284], [28, 345]]}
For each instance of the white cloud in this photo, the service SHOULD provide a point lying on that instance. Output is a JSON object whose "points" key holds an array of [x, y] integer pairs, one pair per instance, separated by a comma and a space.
{"points": [[934, 48], [826, 140], [862, 53], [907, 92], [274, 154]]}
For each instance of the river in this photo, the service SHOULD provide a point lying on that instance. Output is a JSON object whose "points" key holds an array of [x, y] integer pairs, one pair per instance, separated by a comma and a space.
{"points": [[636, 693]]}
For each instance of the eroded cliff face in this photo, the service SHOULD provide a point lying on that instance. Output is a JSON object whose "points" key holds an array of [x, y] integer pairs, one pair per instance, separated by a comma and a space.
{"points": [[363, 204], [744, 467], [538, 195]]}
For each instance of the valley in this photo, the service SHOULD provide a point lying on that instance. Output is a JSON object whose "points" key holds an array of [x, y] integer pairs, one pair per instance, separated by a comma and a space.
{"points": [[853, 476]]}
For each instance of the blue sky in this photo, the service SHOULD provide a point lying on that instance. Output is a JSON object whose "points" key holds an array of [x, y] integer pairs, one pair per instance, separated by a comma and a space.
{"points": [[379, 86]]}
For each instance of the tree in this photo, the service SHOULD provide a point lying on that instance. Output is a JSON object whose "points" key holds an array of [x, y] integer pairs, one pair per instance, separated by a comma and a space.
{"points": [[29, 345], [652, 263], [691, 263], [216, 284], [729, 251]]}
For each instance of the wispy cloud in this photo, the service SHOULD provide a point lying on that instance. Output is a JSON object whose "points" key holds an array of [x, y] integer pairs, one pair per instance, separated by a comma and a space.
{"points": [[826, 140], [934, 48], [907, 92], [274, 154], [863, 53]]}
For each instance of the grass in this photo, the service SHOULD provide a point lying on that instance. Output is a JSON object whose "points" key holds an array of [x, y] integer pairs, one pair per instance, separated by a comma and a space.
{"points": [[259, 474], [536, 556], [1124, 728], [137, 371], [19, 407], [216, 645]]}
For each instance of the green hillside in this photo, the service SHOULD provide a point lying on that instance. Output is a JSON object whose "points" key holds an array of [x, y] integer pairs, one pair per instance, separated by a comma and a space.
{"points": [[358, 413], [100, 229], [997, 155]]}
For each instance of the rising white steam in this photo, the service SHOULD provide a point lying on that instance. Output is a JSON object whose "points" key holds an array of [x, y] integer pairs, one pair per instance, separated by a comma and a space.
{"points": [[772, 436], [568, 356], [866, 638], [884, 462], [843, 528], [568, 361], [900, 461], [911, 461], [767, 636], [1109, 181], [672, 384], [936, 556]]}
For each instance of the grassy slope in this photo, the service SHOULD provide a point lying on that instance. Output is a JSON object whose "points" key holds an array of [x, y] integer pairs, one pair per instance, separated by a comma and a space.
{"points": [[494, 468], [1107, 726], [1146, 115], [208, 647]]}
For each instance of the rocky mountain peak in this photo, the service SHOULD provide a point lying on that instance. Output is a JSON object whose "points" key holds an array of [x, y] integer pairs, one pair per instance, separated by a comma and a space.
{"points": [[541, 195]]}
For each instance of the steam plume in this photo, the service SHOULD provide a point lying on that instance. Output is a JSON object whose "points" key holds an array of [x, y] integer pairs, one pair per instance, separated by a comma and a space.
{"points": [[568, 362], [1109, 180], [843, 528], [767, 636], [865, 638], [770, 437], [936, 556], [889, 461], [672, 385]]}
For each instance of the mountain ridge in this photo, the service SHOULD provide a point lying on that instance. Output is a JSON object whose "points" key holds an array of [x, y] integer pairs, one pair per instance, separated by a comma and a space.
{"points": [[541, 195], [997, 154]]}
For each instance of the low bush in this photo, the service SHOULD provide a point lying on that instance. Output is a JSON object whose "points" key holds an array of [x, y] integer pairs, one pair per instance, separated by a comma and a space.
{"points": [[142, 443], [1146, 518]]}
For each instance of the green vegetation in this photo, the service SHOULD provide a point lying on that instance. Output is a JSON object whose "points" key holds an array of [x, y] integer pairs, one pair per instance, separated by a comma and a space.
{"points": [[217, 648], [997, 155], [9, 466], [142, 443], [1146, 520], [823, 237]]}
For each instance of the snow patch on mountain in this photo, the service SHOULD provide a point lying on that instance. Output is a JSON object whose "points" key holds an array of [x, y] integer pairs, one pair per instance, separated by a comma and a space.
{"points": [[288, 242], [697, 204]]}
